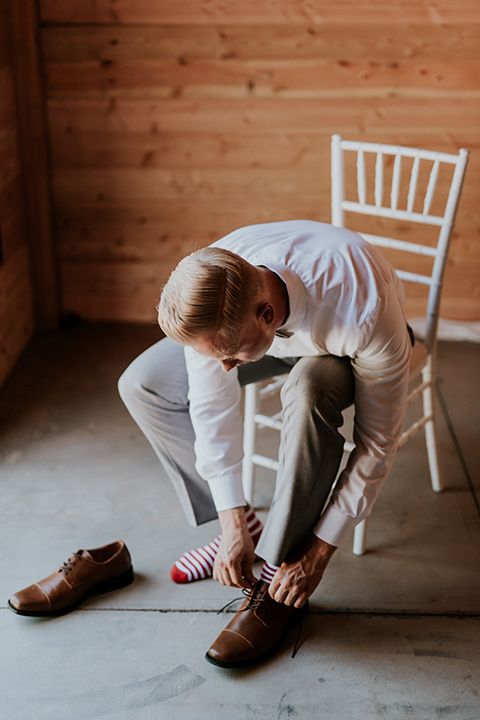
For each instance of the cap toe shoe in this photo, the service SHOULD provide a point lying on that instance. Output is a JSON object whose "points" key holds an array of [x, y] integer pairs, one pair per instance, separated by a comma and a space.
{"points": [[86, 572], [257, 630]]}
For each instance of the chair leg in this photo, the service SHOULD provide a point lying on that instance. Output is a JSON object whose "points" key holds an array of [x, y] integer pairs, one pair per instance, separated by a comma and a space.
{"points": [[431, 441], [360, 538], [428, 376], [248, 467]]}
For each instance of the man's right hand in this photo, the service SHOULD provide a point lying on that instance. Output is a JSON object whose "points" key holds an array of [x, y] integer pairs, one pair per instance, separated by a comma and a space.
{"points": [[236, 554], [300, 574]]}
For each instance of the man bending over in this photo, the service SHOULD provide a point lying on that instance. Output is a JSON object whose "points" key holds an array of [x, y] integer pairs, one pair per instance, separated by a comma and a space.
{"points": [[300, 297]]}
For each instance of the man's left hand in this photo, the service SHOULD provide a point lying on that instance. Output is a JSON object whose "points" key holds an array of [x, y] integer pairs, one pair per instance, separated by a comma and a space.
{"points": [[300, 574], [236, 553]]}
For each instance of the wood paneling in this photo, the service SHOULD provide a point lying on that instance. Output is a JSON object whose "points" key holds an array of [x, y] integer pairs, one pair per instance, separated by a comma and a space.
{"points": [[16, 315], [172, 124], [258, 12], [374, 42], [33, 154]]}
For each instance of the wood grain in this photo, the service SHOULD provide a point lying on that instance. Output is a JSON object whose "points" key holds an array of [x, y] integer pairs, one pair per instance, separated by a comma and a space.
{"points": [[34, 161], [256, 11], [171, 124], [16, 314]]}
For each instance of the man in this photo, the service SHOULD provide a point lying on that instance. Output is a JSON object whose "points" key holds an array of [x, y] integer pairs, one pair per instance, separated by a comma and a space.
{"points": [[297, 296]]}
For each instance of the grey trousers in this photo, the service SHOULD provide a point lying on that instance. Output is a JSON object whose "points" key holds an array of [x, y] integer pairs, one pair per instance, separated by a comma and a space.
{"points": [[154, 389]]}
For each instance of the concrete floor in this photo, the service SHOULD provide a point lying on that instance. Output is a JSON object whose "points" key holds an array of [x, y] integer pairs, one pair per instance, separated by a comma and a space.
{"points": [[392, 634]]}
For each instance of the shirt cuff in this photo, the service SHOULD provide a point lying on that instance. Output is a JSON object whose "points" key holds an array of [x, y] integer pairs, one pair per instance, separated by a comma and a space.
{"points": [[227, 492], [334, 528]]}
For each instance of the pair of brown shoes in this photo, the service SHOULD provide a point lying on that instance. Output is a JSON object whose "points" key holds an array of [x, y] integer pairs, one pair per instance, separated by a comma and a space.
{"points": [[257, 630], [85, 573]]}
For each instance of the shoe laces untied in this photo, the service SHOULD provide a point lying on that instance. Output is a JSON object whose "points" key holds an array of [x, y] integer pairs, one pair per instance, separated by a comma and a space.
{"points": [[254, 603]]}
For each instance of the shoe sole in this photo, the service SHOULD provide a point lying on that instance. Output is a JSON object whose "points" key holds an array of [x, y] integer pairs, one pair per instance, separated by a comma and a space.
{"points": [[253, 661], [103, 587]]}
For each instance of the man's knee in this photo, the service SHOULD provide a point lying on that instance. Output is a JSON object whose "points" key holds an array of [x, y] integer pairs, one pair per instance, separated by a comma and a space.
{"points": [[315, 381], [125, 385], [138, 400]]}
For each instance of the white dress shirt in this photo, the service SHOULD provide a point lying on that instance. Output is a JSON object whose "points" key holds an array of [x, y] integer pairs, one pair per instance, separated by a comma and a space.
{"points": [[345, 300]]}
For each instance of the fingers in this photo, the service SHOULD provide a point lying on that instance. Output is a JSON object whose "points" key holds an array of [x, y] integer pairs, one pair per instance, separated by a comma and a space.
{"points": [[234, 560], [292, 597], [247, 572], [236, 574], [289, 591], [250, 577]]}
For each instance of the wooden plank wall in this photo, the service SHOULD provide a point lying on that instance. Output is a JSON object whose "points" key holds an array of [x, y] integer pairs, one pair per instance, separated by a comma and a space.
{"points": [[28, 71], [16, 313], [173, 123]]}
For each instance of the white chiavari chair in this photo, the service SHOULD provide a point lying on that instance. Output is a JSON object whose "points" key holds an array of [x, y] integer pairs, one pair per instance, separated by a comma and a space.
{"points": [[406, 187]]}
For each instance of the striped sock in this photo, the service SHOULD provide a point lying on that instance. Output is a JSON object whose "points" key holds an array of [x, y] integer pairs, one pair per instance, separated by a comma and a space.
{"points": [[268, 571], [198, 564]]}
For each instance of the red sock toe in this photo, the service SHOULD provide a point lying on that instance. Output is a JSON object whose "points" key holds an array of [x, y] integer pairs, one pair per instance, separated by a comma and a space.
{"points": [[198, 564]]}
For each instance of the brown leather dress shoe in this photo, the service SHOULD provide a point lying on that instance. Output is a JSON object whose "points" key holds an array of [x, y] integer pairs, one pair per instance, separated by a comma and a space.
{"points": [[86, 572], [256, 632]]}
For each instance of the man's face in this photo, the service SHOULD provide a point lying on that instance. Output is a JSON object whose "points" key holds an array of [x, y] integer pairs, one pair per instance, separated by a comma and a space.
{"points": [[252, 346]]}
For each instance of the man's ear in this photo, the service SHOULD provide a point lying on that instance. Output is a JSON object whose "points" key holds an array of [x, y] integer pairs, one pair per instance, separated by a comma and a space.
{"points": [[266, 313]]}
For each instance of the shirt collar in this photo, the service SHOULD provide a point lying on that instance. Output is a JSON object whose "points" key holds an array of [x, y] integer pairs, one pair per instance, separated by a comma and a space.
{"points": [[297, 298]]}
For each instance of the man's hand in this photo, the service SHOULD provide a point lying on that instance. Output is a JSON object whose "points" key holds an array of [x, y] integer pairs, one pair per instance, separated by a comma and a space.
{"points": [[299, 576], [236, 554]]}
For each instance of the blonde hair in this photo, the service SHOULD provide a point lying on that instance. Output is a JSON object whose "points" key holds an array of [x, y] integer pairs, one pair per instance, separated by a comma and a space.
{"points": [[211, 293]]}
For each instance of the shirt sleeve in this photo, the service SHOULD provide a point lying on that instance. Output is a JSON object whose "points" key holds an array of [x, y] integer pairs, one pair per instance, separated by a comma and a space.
{"points": [[381, 371], [214, 397]]}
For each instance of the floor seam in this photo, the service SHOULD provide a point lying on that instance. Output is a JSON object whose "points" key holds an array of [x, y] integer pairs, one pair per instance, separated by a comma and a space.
{"points": [[364, 613]]}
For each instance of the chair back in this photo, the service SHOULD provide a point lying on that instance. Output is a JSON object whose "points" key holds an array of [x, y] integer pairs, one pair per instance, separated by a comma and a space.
{"points": [[404, 185]]}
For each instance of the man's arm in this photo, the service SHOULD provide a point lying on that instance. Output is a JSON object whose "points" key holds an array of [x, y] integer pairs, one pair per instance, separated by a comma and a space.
{"points": [[215, 413], [214, 406]]}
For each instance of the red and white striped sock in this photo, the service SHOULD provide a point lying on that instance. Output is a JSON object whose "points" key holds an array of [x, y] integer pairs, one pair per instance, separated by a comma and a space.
{"points": [[198, 564], [268, 571]]}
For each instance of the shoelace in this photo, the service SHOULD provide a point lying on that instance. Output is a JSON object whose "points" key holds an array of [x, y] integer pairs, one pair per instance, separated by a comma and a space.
{"points": [[69, 564], [254, 604], [297, 640]]}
